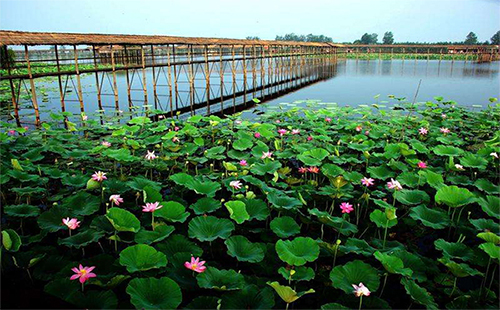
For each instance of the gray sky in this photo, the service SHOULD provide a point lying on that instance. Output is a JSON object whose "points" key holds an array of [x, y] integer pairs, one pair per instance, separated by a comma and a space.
{"points": [[343, 20]]}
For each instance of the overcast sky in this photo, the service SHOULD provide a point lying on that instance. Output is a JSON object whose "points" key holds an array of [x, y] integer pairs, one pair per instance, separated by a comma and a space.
{"points": [[343, 20]]}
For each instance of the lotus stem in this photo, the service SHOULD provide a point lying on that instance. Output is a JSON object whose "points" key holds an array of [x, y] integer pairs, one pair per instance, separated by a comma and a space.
{"points": [[454, 286], [383, 285], [116, 242], [385, 233], [360, 302], [335, 256], [153, 220], [82, 287], [287, 306]]}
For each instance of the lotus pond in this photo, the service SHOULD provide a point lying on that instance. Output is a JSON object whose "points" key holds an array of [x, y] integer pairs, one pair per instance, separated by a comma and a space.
{"points": [[309, 208]]}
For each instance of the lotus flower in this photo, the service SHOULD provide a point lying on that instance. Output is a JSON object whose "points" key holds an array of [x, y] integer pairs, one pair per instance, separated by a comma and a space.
{"points": [[346, 207], [367, 133], [235, 184], [393, 184], [313, 169], [150, 155], [106, 143], [278, 121], [12, 132], [151, 207], [282, 132], [84, 273], [266, 155], [176, 139], [360, 290], [237, 122], [195, 265], [459, 167], [422, 165], [494, 154], [256, 135], [295, 131], [367, 181], [99, 176], [176, 128], [71, 223], [443, 115], [116, 199], [359, 128], [309, 138], [243, 163], [85, 117], [444, 130], [303, 170], [328, 119], [423, 131]]}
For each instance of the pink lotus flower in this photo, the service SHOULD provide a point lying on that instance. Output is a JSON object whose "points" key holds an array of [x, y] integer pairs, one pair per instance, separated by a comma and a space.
{"points": [[99, 176], [367, 181], [494, 154], [444, 130], [394, 185], [237, 122], [282, 132], [303, 170], [309, 138], [71, 223], [328, 119], [423, 131], [346, 207], [313, 169], [256, 135], [422, 165], [195, 265], [151, 207], [12, 132], [359, 128], [176, 139], [26, 128], [295, 131], [84, 273], [116, 199], [266, 155], [176, 128], [443, 115], [459, 167], [85, 117], [360, 290], [243, 163], [106, 143], [150, 155], [367, 133], [278, 121], [235, 184]]}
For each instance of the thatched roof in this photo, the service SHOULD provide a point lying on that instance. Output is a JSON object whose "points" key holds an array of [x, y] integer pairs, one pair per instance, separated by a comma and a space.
{"points": [[8, 37]]}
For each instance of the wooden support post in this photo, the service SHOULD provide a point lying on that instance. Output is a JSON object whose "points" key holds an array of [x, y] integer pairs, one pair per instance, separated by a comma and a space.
{"points": [[98, 85], [466, 54], [270, 61], [176, 86], [244, 76], [428, 54], [254, 70], [207, 79], [233, 69], [115, 86], [15, 104], [440, 54], [78, 82], [155, 94], [170, 94], [144, 86], [59, 80], [33, 90], [129, 95], [262, 71], [221, 75], [191, 78]]}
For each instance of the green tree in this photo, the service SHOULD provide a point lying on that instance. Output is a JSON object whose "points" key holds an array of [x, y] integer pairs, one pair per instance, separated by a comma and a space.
{"points": [[388, 38], [303, 38], [252, 38], [7, 57], [369, 38], [495, 39], [471, 38]]}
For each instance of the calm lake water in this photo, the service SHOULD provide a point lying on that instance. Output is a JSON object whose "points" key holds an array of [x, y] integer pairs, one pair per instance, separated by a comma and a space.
{"points": [[357, 82]]}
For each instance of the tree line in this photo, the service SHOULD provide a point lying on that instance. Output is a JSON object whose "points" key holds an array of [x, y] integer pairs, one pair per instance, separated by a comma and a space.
{"points": [[388, 38]]}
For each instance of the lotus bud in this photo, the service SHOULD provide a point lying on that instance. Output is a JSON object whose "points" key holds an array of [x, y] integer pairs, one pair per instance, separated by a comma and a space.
{"points": [[246, 186], [157, 146], [338, 242], [292, 272], [187, 162], [211, 165], [222, 200], [240, 196], [390, 214], [54, 204]]}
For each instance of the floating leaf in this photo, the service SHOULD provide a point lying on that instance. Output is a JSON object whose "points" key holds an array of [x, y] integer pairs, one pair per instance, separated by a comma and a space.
{"points": [[434, 218], [284, 226], [451, 151], [123, 220], [354, 272], [142, 257], [473, 161], [209, 228], [298, 251], [411, 197], [205, 205], [454, 196], [257, 209], [237, 211], [172, 211]]}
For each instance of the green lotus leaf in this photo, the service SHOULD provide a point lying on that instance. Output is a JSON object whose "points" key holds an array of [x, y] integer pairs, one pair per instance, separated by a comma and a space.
{"points": [[82, 203], [204, 302], [491, 249], [460, 270], [393, 264], [257, 209], [486, 225], [123, 220], [435, 180], [142, 257], [120, 155], [250, 297], [287, 293], [150, 293], [489, 237], [139, 183], [284, 227], [411, 197], [172, 211], [205, 187], [214, 152], [205, 205], [333, 306], [11, 240], [209, 228], [222, 280], [23, 210], [487, 186], [77, 180], [242, 144], [365, 146], [410, 179], [473, 161], [244, 250], [159, 234], [82, 239], [23, 176], [183, 179], [380, 219], [68, 291], [179, 244], [302, 273], [419, 294], [340, 224], [151, 194], [28, 191], [434, 218], [283, 202], [454, 250], [91, 184], [453, 196], [357, 246], [332, 171], [413, 262], [52, 220], [237, 211], [313, 157], [269, 167], [491, 206], [354, 272], [380, 172], [298, 251], [443, 150]]}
